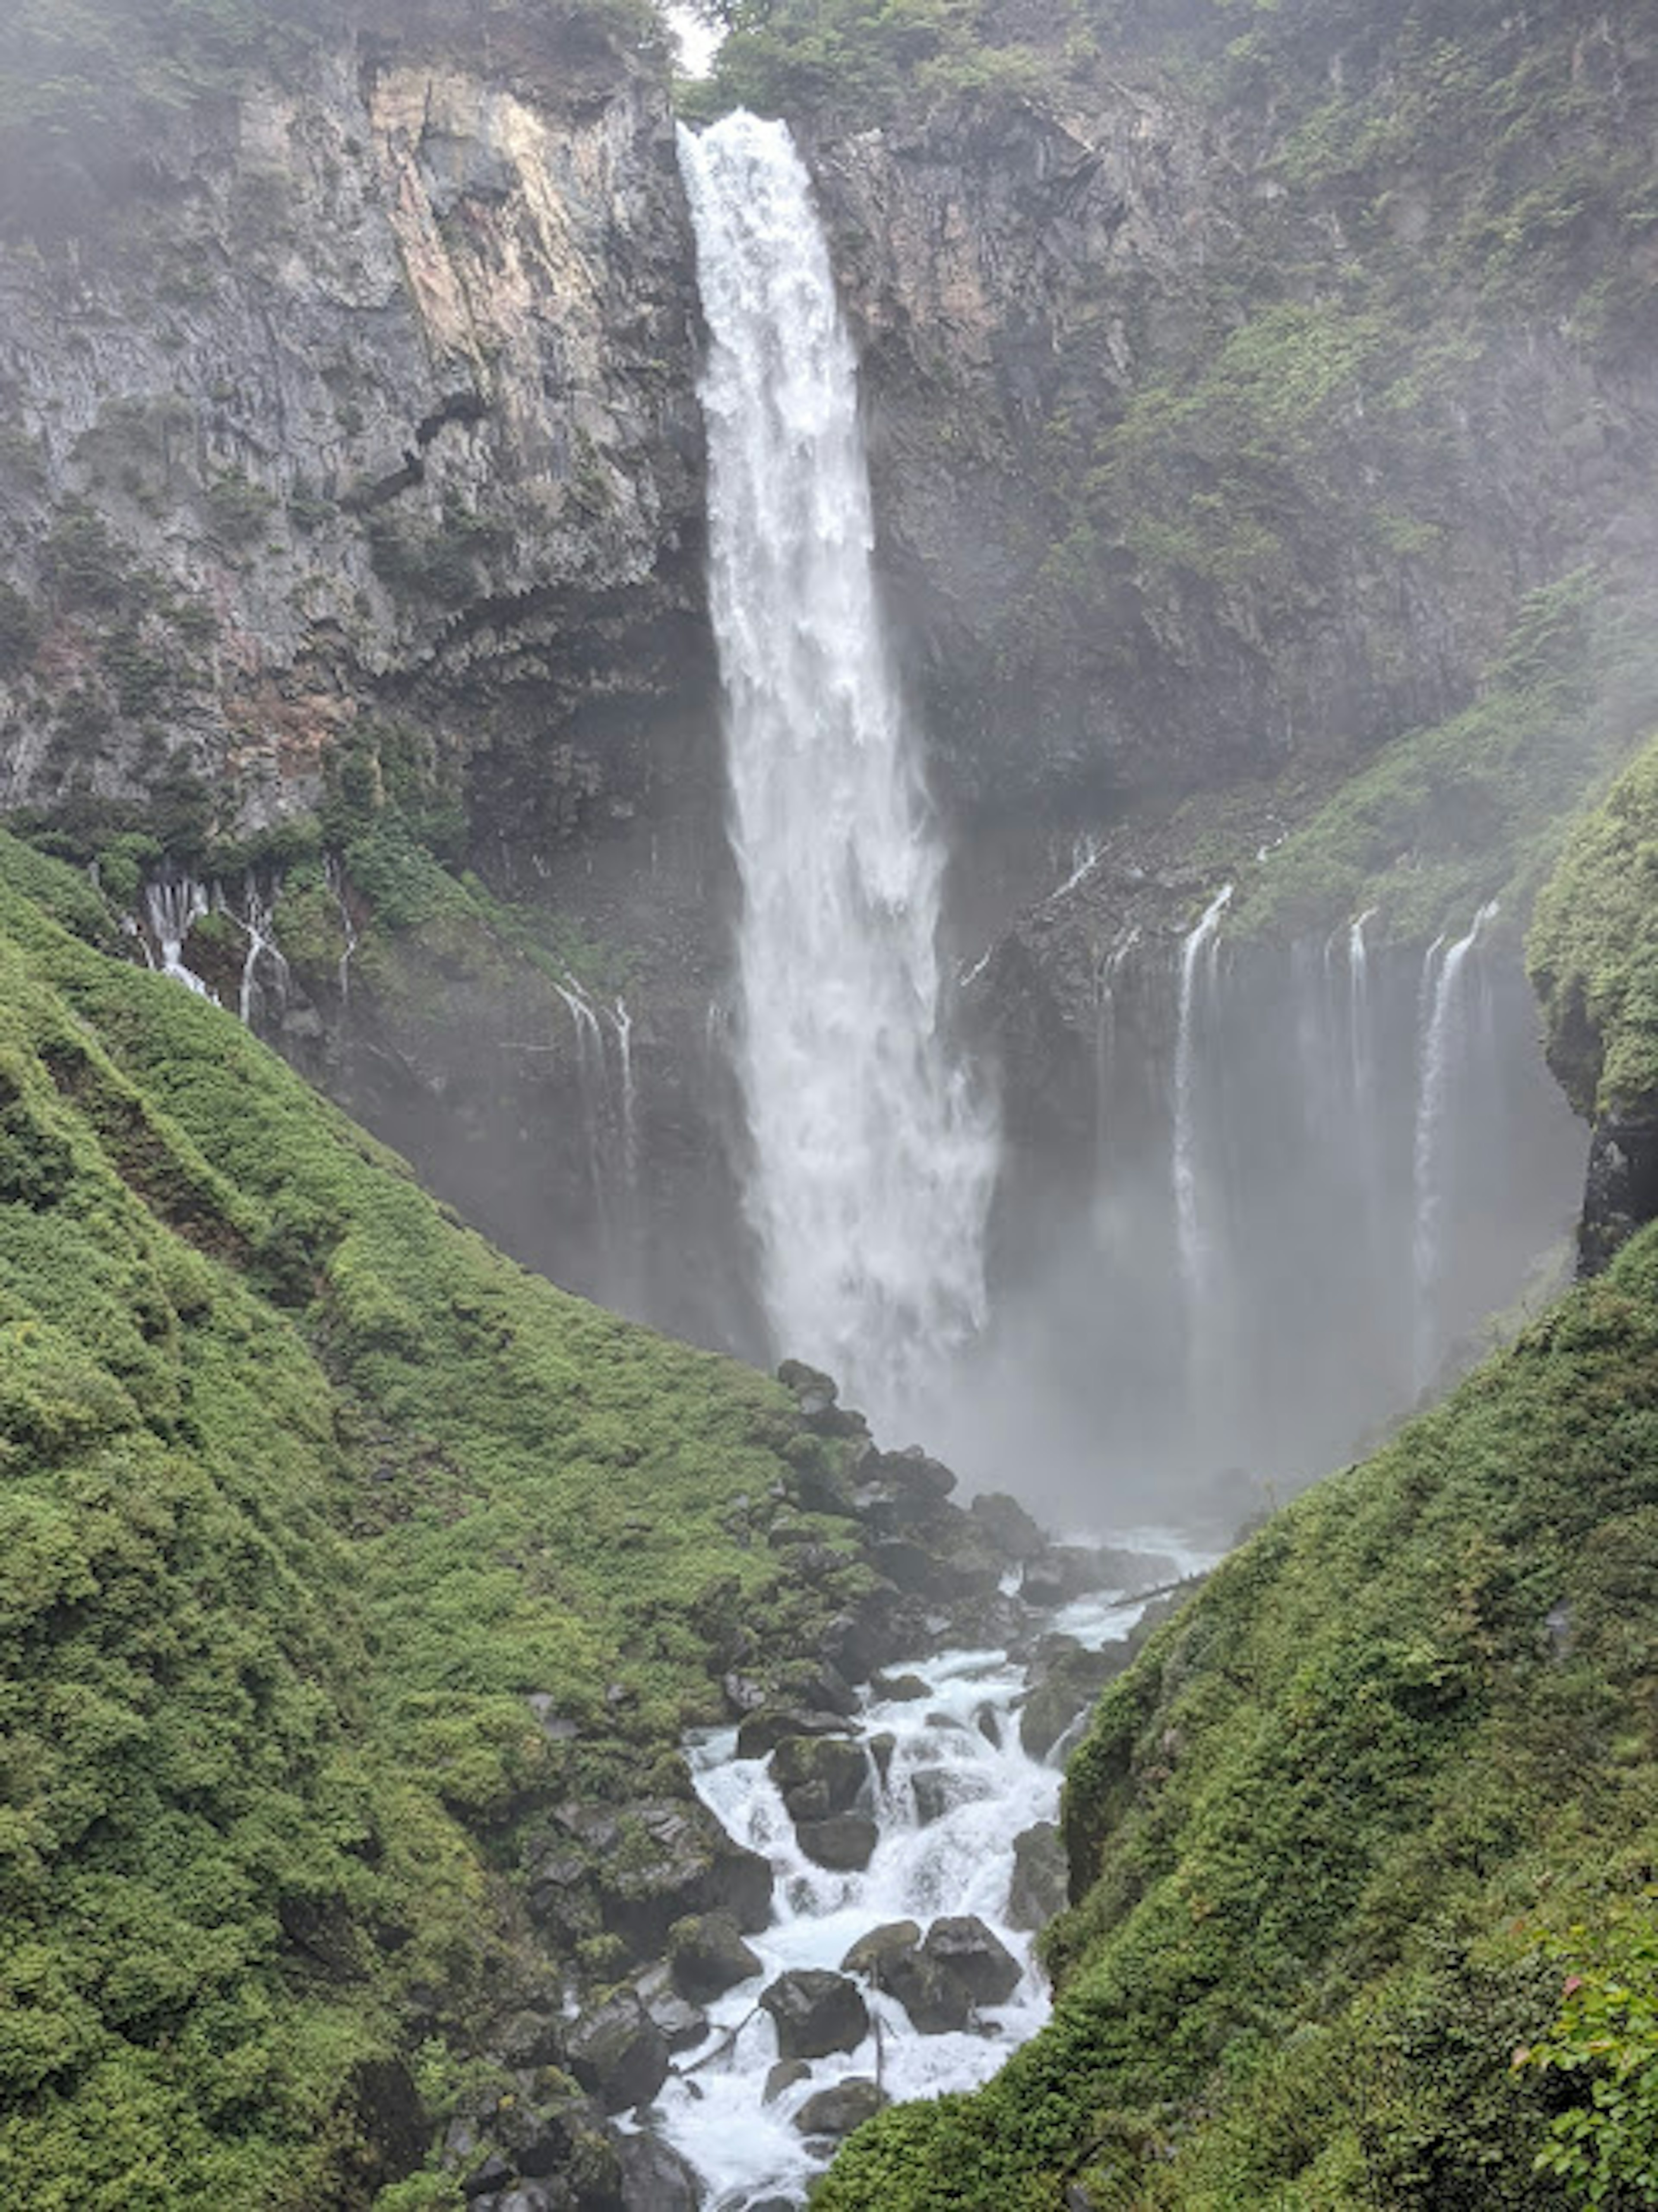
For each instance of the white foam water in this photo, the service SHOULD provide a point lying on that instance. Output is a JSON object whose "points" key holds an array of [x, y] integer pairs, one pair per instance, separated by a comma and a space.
{"points": [[872, 1156]]}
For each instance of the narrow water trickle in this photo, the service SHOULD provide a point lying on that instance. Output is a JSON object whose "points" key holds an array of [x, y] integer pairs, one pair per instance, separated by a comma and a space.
{"points": [[1193, 1226], [1444, 1022], [872, 1156]]}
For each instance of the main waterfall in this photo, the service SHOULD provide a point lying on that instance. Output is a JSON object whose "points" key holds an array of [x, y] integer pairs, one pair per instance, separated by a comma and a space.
{"points": [[872, 1159]]}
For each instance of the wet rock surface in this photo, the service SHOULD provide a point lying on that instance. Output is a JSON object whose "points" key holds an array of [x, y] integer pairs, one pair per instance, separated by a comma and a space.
{"points": [[816, 2013]]}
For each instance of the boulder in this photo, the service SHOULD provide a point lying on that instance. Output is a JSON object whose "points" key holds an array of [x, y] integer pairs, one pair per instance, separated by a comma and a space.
{"points": [[845, 1843], [837, 2110], [814, 2012], [683, 2024], [1041, 1881], [819, 1775], [940, 1789], [762, 1731], [654, 2176], [937, 2002], [782, 2078], [980, 1961], [1069, 1678], [871, 1956], [707, 1956], [1007, 1526], [617, 2052], [899, 1689], [665, 1859]]}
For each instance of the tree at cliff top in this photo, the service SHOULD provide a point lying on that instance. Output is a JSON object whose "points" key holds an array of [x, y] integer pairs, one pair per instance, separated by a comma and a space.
{"points": [[304, 1493]]}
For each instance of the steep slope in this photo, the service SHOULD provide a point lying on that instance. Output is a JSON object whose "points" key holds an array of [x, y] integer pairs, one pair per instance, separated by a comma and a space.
{"points": [[308, 1495], [1361, 1850]]}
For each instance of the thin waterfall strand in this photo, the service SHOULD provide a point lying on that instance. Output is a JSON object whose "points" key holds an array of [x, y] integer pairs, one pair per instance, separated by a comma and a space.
{"points": [[873, 1157], [1441, 996]]}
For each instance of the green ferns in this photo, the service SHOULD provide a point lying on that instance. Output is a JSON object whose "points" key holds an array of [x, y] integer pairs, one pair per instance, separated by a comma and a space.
{"points": [[1317, 1830], [302, 1490]]}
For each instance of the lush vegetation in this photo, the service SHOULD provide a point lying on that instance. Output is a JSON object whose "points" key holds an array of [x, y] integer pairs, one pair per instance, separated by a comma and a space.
{"points": [[304, 1489], [1373, 1814], [1442, 819], [1593, 949]]}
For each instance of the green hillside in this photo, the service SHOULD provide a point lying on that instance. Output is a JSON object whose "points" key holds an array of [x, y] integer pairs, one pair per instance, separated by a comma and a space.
{"points": [[305, 1491]]}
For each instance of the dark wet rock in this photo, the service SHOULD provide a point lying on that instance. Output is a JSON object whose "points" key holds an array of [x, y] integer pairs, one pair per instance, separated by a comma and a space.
{"points": [[1039, 1891], [837, 2110], [1007, 1526], [816, 2011], [654, 2176], [763, 1730], [819, 1775], [617, 2052], [1056, 1575], [899, 1689], [554, 2137], [525, 2039], [670, 1858], [937, 2002], [940, 1789], [707, 1956], [881, 1749], [911, 1470], [487, 2179], [1069, 1678], [818, 1688], [683, 2024], [980, 1961], [988, 1723], [783, 2077], [871, 1956], [1133, 1572], [743, 1693], [845, 1843]]}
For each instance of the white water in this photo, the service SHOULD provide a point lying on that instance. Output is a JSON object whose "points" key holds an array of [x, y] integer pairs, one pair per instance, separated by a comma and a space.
{"points": [[963, 1863], [1443, 1001], [348, 927], [256, 922], [872, 1159], [173, 907], [1195, 1241]]}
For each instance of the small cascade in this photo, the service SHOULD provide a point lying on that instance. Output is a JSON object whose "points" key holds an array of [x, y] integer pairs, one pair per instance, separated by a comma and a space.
{"points": [[1197, 972], [591, 1082], [257, 922], [173, 904], [1443, 1012], [334, 877], [872, 1159], [950, 1790], [622, 1022]]}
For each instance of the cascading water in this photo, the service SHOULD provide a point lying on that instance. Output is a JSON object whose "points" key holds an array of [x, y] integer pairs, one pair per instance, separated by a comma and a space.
{"points": [[173, 906], [872, 1160], [1442, 996], [1192, 1216], [950, 1789]]}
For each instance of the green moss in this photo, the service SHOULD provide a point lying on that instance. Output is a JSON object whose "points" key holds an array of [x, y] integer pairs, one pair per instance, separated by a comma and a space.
{"points": [[1444, 818], [1313, 1831], [1592, 951], [302, 1490]]}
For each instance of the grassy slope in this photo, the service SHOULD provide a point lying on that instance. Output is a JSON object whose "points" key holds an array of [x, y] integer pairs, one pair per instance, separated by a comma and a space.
{"points": [[1593, 950], [1316, 1826], [301, 1489]]}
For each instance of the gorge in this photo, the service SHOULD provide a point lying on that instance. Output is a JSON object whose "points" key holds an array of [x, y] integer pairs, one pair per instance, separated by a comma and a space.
{"points": [[939, 708]]}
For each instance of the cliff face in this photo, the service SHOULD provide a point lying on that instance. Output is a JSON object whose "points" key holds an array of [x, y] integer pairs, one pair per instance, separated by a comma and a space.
{"points": [[378, 387]]}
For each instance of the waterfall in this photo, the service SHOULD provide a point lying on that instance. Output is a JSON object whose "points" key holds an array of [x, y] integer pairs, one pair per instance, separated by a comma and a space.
{"points": [[622, 1021], [1196, 968], [335, 880], [1440, 1005], [872, 1159], [256, 922], [591, 1082], [173, 907]]}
